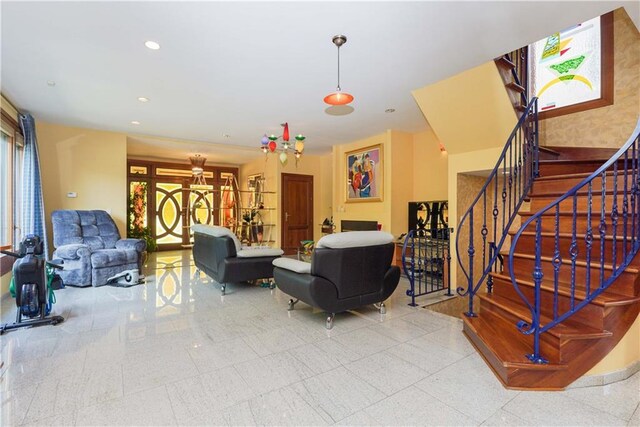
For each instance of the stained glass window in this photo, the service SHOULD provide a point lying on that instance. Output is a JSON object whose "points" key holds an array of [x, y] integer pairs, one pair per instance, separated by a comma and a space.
{"points": [[566, 66], [169, 213]]}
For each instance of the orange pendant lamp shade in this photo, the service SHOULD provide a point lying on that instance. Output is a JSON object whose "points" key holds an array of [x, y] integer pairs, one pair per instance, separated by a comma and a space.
{"points": [[338, 98]]}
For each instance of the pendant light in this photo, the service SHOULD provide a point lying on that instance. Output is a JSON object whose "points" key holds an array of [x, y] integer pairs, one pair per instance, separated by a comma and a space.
{"points": [[338, 97]]}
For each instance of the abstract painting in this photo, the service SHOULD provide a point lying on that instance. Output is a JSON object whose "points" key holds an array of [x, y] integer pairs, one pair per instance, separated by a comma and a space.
{"points": [[364, 174]]}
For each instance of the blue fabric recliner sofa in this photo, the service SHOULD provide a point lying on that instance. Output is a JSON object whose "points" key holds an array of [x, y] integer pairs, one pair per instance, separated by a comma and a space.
{"points": [[91, 247]]}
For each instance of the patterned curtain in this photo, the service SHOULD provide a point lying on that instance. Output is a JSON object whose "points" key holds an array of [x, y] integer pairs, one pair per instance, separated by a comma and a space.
{"points": [[32, 220]]}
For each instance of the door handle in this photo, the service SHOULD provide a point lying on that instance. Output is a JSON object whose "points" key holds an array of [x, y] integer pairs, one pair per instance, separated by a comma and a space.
{"points": [[286, 216]]}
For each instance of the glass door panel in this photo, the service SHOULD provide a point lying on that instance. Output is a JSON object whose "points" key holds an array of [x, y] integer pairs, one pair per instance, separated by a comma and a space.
{"points": [[169, 223]]}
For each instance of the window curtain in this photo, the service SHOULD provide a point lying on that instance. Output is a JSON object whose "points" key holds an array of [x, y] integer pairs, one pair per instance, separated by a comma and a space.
{"points": [[32, 220]]}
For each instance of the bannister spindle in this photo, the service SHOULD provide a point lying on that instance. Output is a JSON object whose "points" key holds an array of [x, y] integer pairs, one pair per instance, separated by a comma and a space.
{"points": [[504, 193], [484, 231], [589, 238], [625, 229], [614, 217], [510, 180], [556, 262], [537, 280], [603, 226], [471, 252], [625, 206], [633, 196]]}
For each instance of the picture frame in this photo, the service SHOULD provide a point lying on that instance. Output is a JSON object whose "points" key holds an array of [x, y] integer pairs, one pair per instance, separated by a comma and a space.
{"points": [[364, 174]]}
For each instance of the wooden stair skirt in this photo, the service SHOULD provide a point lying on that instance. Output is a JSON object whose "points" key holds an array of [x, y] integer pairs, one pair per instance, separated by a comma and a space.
{"points": [[580, 342]]}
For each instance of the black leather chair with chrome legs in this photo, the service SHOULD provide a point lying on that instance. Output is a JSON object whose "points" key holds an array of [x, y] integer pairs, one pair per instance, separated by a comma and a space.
{"points": [[218, 252], [347, 270]]}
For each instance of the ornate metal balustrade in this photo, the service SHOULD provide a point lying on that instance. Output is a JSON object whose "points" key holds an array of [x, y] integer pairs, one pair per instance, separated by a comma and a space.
{"points": [[606, 237], [426, 262], [497, 204]]}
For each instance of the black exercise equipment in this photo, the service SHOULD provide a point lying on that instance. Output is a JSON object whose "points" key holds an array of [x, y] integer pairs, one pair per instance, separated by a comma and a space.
{"points": [[32, 285]]}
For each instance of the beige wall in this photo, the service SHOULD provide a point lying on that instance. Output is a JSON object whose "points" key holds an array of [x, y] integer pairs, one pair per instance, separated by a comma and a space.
{"points": [[469, 111], [89, 162], [401, 179], [414, 169], [608, 126], [430, 167], [366, 211], [459, 164], [320, 167]]}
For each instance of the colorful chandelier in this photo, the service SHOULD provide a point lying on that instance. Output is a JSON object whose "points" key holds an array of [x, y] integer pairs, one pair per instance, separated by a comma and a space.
{"points": [[269, 144]]}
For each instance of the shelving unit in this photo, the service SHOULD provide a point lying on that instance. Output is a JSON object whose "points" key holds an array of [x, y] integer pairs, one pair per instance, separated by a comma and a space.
{"points": [[235, 209]]}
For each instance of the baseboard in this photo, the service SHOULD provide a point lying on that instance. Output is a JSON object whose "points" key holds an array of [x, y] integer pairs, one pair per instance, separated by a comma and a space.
{"points": [[608, 378]]}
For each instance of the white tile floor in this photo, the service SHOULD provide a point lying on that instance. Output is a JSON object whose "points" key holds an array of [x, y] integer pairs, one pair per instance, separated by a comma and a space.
{"points": [[174, 351]]}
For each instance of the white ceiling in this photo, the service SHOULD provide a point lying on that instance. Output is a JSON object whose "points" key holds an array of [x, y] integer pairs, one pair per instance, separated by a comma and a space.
{"points": [[242, 68]]}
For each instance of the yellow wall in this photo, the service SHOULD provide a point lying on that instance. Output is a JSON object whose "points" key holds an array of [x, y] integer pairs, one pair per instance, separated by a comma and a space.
{"points": [[608, 126], [469, 111], [89, 162], [401, 180], [430, 167], [623, 355], [366, 211], [474, 161], [320, 167]]}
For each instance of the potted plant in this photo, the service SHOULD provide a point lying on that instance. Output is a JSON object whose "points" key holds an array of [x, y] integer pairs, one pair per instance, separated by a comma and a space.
{"points": [[137, 209]]}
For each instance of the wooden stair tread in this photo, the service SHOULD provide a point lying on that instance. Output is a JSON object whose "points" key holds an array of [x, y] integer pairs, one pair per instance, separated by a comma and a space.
{"points": [[572, 161], [515, 87], [562, 235], [606, 266], [595, 192], [565, 329], [548, 150], [574, 175], [551, 212], [504, 62], [510, 350], [607, 298]]}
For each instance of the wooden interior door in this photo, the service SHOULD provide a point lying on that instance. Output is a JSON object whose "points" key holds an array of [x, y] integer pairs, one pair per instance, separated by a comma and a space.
{"points": [[297, 211]]}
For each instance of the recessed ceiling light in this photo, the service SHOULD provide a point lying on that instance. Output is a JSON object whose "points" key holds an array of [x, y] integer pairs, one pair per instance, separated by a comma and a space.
{"points": [[51, 83], [143, 99], [152, 45], [135, 122], [226, 135], [390, 110]]}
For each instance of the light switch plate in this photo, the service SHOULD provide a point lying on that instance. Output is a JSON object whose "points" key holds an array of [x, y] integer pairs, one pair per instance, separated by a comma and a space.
{"points": [[72, 194]]}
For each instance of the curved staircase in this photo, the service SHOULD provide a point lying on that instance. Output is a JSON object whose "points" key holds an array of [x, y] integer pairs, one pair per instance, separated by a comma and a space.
{"points": [[577, 343]]}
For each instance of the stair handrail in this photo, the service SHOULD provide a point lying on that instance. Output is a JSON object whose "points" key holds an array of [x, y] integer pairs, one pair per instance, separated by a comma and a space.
{"points": [[627, 158], [517, 167]]}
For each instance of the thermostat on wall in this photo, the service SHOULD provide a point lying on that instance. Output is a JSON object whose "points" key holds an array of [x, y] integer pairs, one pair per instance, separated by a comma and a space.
{"points": [[72, 194]]}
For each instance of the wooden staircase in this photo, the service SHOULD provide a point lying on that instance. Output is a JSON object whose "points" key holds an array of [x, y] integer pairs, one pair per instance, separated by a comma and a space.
{"points": [[578, 343], [510, 67]]}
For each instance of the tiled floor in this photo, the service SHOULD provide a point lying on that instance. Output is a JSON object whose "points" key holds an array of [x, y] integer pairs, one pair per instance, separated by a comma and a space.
{"points": [[174, 351]]}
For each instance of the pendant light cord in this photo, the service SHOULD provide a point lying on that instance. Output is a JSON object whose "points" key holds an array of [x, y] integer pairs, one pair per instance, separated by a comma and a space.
{"points": [[338, 69]]}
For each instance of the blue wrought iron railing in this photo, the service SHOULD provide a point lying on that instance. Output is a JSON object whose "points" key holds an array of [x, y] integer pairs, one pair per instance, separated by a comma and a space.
{"points": [[497, 204], [614, 189], [426, 261]]}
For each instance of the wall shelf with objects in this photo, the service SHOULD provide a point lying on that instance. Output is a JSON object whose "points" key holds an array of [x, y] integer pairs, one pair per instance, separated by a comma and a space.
{"points": [[242, 211]]}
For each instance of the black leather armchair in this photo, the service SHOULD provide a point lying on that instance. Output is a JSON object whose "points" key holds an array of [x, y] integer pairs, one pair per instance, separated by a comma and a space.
{"points": [[218, 252], [347, 270]]}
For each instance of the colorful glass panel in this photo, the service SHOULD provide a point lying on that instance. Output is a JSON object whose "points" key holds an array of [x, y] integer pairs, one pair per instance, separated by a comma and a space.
{"points": [[169, 209], [566, 66]]}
